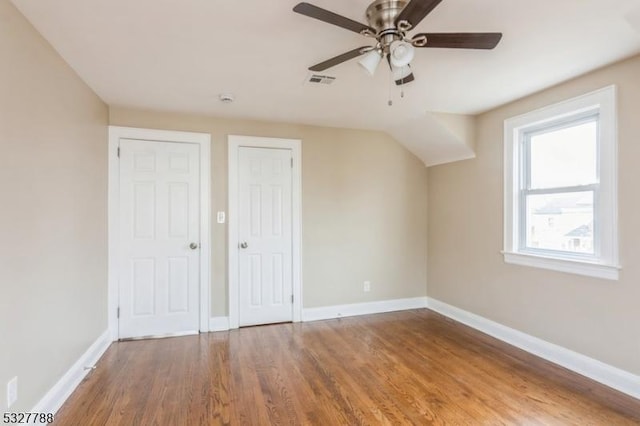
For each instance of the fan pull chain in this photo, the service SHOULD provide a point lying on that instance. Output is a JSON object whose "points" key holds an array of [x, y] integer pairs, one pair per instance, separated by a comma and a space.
{"points": [[390, 103]]}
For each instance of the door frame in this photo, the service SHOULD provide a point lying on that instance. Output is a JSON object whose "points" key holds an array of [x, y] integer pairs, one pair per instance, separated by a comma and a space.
{"points": [[295, 145], [204, 141]]}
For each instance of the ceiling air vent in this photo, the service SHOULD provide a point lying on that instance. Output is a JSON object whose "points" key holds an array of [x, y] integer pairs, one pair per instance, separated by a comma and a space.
{"points": [[320, 79]]}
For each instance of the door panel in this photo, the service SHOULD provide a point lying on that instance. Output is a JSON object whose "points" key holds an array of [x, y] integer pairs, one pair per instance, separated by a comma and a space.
{"points": [[265, 224], [143, 280], [159, 218]]}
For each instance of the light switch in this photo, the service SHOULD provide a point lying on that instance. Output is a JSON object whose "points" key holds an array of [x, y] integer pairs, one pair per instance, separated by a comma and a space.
{"points": [[221, 217]]}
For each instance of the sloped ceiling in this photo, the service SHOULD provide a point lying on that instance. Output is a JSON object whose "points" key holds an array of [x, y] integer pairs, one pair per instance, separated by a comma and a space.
{"points": [[180, 55]]}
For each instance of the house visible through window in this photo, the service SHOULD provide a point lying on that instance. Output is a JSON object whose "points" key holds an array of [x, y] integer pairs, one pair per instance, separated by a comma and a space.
{"points": [[560, 187]]}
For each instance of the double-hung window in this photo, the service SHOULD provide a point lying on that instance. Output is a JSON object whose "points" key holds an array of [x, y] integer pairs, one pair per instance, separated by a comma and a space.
{"points": [[560, 187]]}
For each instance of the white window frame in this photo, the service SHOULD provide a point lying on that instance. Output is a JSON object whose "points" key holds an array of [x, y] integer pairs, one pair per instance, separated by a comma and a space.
{"points": [[604, 263]]}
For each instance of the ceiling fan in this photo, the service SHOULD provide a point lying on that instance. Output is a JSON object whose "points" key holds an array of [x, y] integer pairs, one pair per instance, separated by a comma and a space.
{"points": [[389, 22]]}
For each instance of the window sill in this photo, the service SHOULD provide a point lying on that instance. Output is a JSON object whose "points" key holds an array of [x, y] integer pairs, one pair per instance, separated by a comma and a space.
{"points": [[596, 270]]}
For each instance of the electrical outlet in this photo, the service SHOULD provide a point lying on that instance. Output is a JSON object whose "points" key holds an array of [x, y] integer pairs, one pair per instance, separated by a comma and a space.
{"points": [[12, 391], [367, 286]]}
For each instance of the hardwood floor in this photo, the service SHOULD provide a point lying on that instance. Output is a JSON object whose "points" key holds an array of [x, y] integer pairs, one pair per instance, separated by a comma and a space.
{"points": [[411, 367]]}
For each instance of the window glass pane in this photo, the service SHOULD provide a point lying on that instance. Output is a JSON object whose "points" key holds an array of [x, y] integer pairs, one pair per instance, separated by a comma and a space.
{"points": [[562, 222], [564, 157]]}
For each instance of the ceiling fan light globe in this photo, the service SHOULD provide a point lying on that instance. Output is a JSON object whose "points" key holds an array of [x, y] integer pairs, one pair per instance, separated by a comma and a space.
{"points": [[401, 53], [400, 73], [370, 61]]}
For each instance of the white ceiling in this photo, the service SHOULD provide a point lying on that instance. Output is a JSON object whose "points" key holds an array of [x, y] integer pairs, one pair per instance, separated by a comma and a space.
{"points": [[179, 55]]}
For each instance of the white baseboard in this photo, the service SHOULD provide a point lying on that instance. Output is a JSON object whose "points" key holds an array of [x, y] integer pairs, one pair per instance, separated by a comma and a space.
{"points": [[367, 308], [219, 324], [58, 394], [338, 311], [606, 374]]}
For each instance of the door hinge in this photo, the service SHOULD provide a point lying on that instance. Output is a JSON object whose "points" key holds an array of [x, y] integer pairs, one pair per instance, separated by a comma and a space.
{"points": [[292, 162], [118, 312], [118, 152], [292, 298]]}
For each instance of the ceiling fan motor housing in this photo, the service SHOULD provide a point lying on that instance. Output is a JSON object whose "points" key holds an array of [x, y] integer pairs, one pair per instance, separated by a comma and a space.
{"points": [[381, 15]]}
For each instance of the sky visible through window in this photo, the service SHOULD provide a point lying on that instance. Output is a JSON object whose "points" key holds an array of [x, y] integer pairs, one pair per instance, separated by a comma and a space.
{"points": [[565, 157]]}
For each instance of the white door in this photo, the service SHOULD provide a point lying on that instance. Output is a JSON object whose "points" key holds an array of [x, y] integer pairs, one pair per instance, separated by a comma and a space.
{"points": [[265, 234], [159, 238]]}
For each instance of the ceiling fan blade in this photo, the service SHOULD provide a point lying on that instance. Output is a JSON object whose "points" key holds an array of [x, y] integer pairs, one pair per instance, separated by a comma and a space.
{"points": [[458, 40], [405, 80], [415, 12], [332, 18], [340, 58]]}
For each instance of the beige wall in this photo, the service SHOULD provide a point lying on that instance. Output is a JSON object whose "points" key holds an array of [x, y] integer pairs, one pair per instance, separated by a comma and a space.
{"points": [[53, 217], [364, 207], [598, 318]]}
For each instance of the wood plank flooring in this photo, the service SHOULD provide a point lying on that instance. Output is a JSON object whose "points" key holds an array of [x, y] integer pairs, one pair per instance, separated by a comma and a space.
{"points": [[403, 368]]}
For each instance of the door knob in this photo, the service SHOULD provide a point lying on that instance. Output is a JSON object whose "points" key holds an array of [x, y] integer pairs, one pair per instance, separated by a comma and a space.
{"points": [[244, 245], [193, 246]]}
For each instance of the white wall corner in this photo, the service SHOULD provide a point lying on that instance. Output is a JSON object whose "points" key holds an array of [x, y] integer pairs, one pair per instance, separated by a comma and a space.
{"points": [[219, 324], [367, 308], [606, 374], [60, 392], [463, 127], [437, 138]]}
